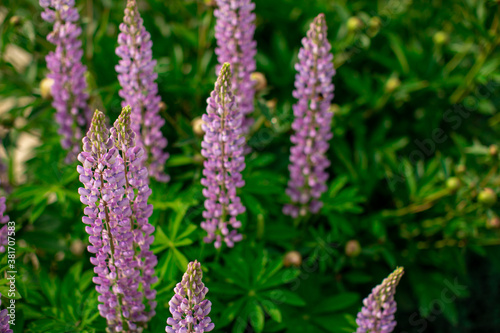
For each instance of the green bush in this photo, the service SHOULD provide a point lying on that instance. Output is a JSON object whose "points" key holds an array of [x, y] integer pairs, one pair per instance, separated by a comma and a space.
{"points": [[414, 174]]}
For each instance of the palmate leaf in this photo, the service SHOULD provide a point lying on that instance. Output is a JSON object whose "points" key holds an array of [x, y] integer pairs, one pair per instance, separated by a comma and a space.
{"points": [[254, 285], [343, 200]]}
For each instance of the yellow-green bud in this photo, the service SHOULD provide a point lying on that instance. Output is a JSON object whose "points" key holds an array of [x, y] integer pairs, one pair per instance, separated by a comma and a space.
{"points": [[460, 169], [440, 38], [352, 248], [392, 84], [46, 88], [354, 23], [375, 23], [493, 150], [259, 80], [453, 183], [15, 20], [487, 197]]}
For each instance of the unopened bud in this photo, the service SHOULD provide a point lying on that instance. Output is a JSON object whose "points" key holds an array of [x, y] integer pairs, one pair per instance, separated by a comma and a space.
{"points": [[493, 150], [197, 126], [292, 258], [354, 23], [453, 183], [392, 84], [162, 105], [487, 197], [352, 248], [46, 88], [440, 38], [259, 81], [493, 223]]}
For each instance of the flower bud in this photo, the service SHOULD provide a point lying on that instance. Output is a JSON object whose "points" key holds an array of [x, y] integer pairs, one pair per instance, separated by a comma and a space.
{"points": [[352, 248], [354, 23], [77, 247], [493, 223], [487, 197], [493, 150], [453, 183], [375, 23], [440, 38], [259, 80], [392, 84], [197, 126], [46, 88], [162, 105], [292, 258], [460, 169], [15, 20], [271, 104], [334, 108]]}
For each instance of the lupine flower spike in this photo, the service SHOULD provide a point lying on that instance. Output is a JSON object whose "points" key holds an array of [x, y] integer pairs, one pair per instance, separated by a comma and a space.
{"points": [[4, 320], [314, 92], [67, 72], [117, 213], [3, 225], [234, 32], [188, 306], [222, 147], [137, 192], [139, 89], [377, 314]]}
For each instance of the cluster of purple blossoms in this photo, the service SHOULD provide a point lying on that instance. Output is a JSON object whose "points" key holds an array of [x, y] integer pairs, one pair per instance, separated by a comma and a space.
{"points": [[377, 314], [140, 91], [314, 92], [188, 306], [67, 72], [3, 225], [4, 320], [222, 147], [234, 32], [116, 193]]}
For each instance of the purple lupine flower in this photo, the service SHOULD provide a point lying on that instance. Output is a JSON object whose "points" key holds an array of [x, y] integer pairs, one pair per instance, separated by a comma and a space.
{"points": [[377, 314], [4, 320], [234, 32], [314, 92], [137, 193], [140, 91], [222, 147], [3, 225], [188, 306], [117, 218], [68, 72]]}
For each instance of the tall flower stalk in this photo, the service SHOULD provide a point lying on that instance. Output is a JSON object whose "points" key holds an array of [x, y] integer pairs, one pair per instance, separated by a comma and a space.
{"points": [[234, 32], [139, 89], [4, 218], [311, 125], [67, 72], [377, 314], [4, 320], [116, 193], [188, 306], [222, 147]]}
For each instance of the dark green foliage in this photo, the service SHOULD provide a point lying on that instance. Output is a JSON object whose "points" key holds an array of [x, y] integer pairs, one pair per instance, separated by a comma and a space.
{"points": [[417, 94]]}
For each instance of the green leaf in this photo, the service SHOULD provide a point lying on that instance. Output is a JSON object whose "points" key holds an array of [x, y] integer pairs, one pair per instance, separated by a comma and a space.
{"points": [[256, 316], [230, 311], [283, 296], [271, 309], [336, 303]]}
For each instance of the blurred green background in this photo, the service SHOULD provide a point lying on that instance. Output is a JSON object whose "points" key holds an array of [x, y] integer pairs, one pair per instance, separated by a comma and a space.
{"points": [[414, 174]]}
